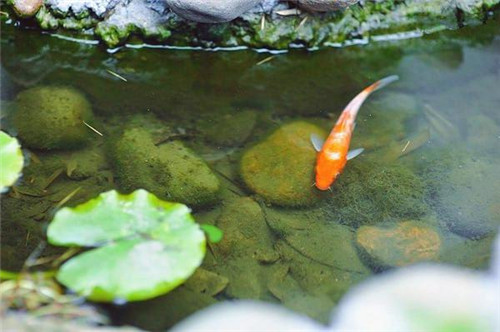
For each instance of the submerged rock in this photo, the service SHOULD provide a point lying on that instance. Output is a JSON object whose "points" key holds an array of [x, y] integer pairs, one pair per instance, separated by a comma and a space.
{"points": [[482, 133], [52, 117], [229, 129], [327, 242], [293, 296], [170, 171], [246, 249], [281, 168], [399, 244], [468, 200], [368, 192], [163, 312], [211, 11]]}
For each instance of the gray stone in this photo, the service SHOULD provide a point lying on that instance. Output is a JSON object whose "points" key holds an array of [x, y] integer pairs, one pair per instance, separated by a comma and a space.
{"points": [[211, 11]]}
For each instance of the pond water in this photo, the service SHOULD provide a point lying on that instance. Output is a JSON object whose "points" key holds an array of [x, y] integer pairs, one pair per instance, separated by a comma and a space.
{"points": [[426, 188]]}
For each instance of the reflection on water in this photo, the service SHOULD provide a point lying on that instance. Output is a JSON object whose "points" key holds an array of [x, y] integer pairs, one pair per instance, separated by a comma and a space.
{"points": [[427, 187]]}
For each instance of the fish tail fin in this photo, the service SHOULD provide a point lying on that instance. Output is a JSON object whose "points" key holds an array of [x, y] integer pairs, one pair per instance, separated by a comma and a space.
{"points": [[355, 104], [385, 81]]}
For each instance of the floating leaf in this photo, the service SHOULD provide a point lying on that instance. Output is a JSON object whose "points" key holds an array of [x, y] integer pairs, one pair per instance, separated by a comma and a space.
{"points": [[146, 246], [214, 233], [11, 160]]}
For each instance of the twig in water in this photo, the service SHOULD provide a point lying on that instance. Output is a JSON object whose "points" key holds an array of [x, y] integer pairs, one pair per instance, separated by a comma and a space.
{"points": [[67, 198], [265, 60], [117, 75], [93, 129], [304, 20], [52, 178], [263, 22], [406, 146]]}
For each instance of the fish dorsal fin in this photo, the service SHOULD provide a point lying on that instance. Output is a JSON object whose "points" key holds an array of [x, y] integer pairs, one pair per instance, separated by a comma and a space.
{"points": [[354, 153], [317, 142]]}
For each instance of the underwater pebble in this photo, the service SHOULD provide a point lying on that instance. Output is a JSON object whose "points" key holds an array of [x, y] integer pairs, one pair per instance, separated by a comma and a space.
{"points": [[281, 168], [171, 171], [210, 11], [52, 117], [397, 245]]}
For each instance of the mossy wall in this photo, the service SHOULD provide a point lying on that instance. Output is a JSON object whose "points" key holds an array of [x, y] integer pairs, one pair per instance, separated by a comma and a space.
{"points": [[152, 22]]}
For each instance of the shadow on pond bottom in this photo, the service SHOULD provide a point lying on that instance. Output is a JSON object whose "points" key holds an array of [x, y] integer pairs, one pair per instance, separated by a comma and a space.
{"points": [[230, 138]]}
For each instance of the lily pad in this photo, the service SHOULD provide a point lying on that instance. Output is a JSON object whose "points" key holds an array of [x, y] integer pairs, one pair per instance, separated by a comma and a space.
{"points": [[145, 246], [11, 159]]}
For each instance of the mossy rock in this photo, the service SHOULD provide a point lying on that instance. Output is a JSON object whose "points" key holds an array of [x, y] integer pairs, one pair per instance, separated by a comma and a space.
{"points": [[281, 168], [52, 117], [368, 192], [325, 242], [170, 171], [246, 249], [398, 244], [229, 129]]}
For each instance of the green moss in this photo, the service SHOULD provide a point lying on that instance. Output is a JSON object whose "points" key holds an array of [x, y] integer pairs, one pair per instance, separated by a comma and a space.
{"points": [[52, 117], [371, 19], [170, 171], [368, 193]]}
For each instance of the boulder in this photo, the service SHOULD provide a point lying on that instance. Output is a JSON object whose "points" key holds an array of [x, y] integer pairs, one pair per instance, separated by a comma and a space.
{"points": [[171, 171], [281, 168], [210, 11], [398, 244], [52, 117], [467, 200]]}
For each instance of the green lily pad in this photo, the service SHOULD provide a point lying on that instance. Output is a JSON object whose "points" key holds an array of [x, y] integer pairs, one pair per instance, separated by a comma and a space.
{"points": [[11, 159], [145, 246]]}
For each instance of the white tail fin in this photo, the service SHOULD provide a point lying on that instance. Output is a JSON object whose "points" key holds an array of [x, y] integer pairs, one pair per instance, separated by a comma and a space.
{"points": [[356, 103], [385, 81]]}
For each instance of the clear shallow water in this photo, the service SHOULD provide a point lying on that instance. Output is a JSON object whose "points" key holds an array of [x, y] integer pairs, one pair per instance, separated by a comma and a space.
{"points": [[446, 105]]}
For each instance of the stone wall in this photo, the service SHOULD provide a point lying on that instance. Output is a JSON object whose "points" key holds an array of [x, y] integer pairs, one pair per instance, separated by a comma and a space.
{"points": [[253, 23]]}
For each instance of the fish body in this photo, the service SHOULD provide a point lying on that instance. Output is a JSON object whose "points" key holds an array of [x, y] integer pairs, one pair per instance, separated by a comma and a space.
{"points": [[334, 153]]}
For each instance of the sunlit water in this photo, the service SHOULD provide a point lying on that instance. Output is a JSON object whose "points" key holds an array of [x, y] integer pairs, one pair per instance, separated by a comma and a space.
{"points": [[439, 125]]}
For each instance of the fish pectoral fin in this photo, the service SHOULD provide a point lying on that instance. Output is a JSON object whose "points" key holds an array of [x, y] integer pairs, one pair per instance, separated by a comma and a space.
{"points": [[317, 142], [354, 153]]}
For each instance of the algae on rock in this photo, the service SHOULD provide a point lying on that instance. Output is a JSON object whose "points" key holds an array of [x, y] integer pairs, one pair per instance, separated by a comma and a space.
{"points": [[368, 192], [281, 168], [170, 171], [115, 22], [52, 117]]}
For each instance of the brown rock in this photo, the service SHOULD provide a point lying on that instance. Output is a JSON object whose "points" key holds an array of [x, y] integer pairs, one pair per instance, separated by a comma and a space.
{"points": [[398, 244], [27, 8]]}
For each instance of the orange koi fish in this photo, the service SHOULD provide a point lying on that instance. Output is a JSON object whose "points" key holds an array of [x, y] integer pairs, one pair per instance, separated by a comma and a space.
{"points": [[333, 153]]}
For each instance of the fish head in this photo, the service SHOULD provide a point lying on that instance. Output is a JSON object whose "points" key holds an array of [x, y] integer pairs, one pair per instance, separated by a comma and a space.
{"points": [[325, 180]]}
